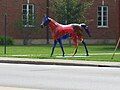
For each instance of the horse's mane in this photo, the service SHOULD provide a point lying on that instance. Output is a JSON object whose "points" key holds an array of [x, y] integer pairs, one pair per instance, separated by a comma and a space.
{"points": [[52, 20]]}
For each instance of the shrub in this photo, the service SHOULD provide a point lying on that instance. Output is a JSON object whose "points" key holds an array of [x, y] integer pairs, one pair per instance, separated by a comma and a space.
{"points": [[9, 40]]}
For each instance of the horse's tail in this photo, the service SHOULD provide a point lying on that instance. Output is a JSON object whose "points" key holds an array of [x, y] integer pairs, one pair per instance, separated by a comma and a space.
{"points": [[78, 28]]}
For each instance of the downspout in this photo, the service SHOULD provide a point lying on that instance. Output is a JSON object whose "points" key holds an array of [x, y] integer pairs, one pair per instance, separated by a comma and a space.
{"points": [[28, 1]]}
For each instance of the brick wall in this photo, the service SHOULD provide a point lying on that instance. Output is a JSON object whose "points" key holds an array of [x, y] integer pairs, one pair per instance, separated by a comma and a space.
{"points": [[14, 13], [104, 33]]}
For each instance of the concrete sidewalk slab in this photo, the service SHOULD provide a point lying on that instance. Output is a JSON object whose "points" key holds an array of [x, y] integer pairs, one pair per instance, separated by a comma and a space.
{"points": [[15, 88], [58, 62]]}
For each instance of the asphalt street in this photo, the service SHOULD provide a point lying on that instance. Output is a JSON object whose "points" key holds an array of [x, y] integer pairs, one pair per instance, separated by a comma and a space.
{"points": [[53, 77]]}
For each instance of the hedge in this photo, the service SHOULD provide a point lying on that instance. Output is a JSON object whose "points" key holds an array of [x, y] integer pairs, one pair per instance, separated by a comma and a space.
{"points": [[9, 40]]}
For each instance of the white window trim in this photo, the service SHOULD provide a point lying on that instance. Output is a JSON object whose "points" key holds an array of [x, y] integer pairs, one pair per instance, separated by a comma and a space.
{"points": [[28, 14], [102, 26]]}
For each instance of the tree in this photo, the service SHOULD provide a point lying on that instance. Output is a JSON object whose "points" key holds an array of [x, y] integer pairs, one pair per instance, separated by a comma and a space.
{"points": [[70, 11], [27, 30]]}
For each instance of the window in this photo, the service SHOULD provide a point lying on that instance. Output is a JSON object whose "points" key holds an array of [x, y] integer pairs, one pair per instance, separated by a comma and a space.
{"points": [[28, 16], [102, 16]]}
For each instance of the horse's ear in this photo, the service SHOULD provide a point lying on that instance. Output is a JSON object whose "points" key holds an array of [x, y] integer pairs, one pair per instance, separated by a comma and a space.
{"points": [[44, 15]]}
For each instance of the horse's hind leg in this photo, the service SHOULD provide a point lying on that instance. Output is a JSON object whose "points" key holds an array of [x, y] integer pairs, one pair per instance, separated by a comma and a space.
{"points": [[76, 46], [85, 48], [75, 51], [61, 45], [54, 45]]}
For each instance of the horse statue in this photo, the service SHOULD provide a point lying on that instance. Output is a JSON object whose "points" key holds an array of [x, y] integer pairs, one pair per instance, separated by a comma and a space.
{"points": [[59, 32]]}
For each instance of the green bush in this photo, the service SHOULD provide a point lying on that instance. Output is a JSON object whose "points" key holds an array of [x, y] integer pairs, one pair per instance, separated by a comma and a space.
{"points": [[9, 40]]}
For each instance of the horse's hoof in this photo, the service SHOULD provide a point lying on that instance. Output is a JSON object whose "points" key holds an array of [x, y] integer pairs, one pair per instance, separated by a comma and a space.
{"points": [[73, 55], [87, 55], [63, 55]]}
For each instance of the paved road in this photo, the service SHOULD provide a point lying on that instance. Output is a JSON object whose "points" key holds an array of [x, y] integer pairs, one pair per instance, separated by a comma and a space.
{"points": [[51, 77]]}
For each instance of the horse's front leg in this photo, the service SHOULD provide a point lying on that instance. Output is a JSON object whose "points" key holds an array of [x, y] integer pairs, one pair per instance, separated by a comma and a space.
{"points": [[61, 45], [53, 48], [85, 48]]}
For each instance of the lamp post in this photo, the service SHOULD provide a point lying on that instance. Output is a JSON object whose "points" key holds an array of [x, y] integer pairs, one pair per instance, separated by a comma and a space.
{"points": [[5, 28], [5, 33]]}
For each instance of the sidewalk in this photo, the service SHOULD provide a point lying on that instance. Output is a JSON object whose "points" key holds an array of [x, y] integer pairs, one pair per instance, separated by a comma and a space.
{"points": [[15, 88], [59, 62]]}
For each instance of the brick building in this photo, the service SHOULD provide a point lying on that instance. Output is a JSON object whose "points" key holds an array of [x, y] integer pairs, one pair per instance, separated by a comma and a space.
{"points": [[103, 16]]}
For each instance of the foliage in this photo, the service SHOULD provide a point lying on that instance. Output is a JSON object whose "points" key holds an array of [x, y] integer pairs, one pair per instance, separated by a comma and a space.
{"points": [[9, 40], [23, 24], [27, 28], [70, 11]]}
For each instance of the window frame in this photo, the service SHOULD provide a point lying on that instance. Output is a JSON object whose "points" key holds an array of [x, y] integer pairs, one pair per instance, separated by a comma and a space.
{"points": [[27, 22], [102, 16]]}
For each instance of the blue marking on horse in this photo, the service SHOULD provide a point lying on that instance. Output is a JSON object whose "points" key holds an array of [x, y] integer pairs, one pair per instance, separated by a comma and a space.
{"points": [[65, 36]]}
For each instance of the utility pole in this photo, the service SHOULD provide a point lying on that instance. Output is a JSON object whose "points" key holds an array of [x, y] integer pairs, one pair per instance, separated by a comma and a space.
{"points": [[67, 18], [47, 13]]}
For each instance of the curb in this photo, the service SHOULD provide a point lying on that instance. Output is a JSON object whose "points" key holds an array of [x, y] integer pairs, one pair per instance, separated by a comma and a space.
{"points": [[58, 63]]}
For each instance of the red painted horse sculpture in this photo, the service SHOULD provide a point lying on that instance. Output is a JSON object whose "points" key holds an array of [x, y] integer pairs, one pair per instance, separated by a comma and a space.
{"points": [[59, 32]]}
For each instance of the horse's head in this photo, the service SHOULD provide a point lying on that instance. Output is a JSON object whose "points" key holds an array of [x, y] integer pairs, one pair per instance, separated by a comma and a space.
{"points": [[86, 28], [45, 21]]}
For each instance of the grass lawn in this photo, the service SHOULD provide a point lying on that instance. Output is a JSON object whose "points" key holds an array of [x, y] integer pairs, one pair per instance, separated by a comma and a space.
{"points": [[97, 52]]}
